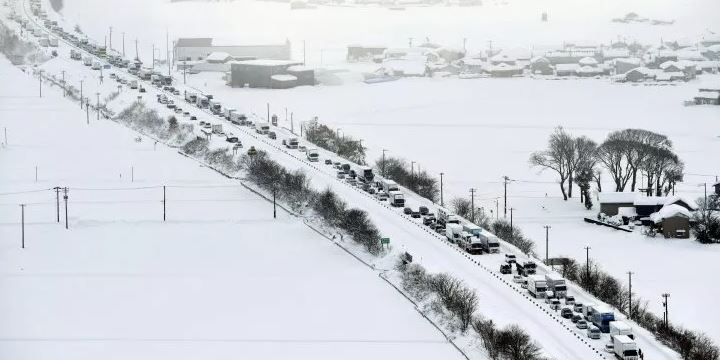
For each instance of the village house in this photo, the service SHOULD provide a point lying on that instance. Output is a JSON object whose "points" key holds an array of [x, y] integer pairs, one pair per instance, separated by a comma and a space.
{"points": [[610, 202], [673, 221], [193, 49], [261, 74], [624, 65], [615, 53], [503, 70], [364, 52], [640, 74], [670, 215], [540, 65], [567, 69], [707, 97]]}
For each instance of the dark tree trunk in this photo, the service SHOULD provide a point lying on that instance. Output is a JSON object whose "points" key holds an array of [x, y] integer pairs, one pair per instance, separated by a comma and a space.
{"points": [[570, 185], [562, 188]]}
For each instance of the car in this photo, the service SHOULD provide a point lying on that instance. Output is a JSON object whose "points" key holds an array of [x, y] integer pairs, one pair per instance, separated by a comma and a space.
{"points": [[207, 126], [272, 135], [569, 300], [593, 332], [510, 258], [407, 211], [252, 151], [302, 148], [566, 313], [340, 175], [423, 210], [327, 161], [581, 324], [415, 215], [337, 165], [439, 229], [351, 181], [576, 318], [186, 114], [193, 118], [113, 76], [141, 89], [381, 195], [549, 296], [555, 304], [610, 347], [578, 307], [371, 190], [505, 269], [427, 220], [202, 123], [518, 279], [176, 92], [178, 110]]}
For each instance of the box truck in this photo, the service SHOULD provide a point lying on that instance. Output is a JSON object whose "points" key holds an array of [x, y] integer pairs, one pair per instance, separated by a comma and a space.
{"points": [[446, 217], [365, 174], [291, 143], [601, 316], [312, 155], [262, 128], [227, 113], [556, 284], [490, 243], [453, 232], [537, 286], [190, 97], [397, 199], [624, 347], [621, 328], [389, 185], [471, 243]]}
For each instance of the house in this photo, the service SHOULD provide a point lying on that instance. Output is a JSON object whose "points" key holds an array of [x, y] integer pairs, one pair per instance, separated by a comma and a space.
{"points": [[503, 58], [708, 66], [540, 65], [567, 69], [304, 75], [406, 66], [707, 97], [710, 39], [640, 74], [218, 57], [283, 81], [717, 188], [670, 66], [615, 53], [623, 65], [611, 202], [363, 52], [682, 201], [673, 221], [646, 205], [671, 76], [258, 73], [472, 65], [503, 70]]}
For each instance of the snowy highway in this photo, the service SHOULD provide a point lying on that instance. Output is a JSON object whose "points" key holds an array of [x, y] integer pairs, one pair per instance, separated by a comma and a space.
{"points": [[500, 299]]}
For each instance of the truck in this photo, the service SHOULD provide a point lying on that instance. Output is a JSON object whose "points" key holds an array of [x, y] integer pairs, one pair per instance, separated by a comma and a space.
{"points": [[75, 55], [190, 97], [537, 286], [621, 328], [87, 61], [215, 107], [388, 185], [472, 229], [227, 112], [490, 242], [601, 316], [471, 243], [202, 102], [291, 143], [397, 199], [446, 217], [624, 347], [526, 269], [133, 84], [156, 79], [453, 232], [44, 42], [262, 128], [365, 174], [145, 73], [556, 284], [312, 155], [217, 129], [237, 119], [96, 65]]}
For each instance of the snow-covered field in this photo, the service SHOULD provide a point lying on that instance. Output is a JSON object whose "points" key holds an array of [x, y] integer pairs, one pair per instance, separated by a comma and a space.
{"points": [[220, 279]]}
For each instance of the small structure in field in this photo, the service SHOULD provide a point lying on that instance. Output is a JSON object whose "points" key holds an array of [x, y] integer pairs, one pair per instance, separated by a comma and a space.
{"points": [[673, 221]]}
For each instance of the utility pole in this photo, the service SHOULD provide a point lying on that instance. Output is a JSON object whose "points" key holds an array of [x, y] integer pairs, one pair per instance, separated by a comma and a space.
{"points": [[167, 50], [383, 160], [111, 37], [505, 184], [303, 52], [81, 93], [164, 204], [410, 40], [153, 57], [137, 57], [442, 201], [274, 205], [472, 204], [65, 197], [22, 221], [40, 78], [665, 305], [547, 243], [57, 202], [511, 221], [630, 274], [63, 80], [184, 71], [292, 123], [412, 168], [87, 110], [587, 262], [98, 105], [123, 44], [268, 112]]}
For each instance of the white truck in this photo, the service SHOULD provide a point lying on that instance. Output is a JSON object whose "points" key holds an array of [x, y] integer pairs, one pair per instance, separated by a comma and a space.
{"points": [[389, 185], [190, 97], [365, 174], [621, 328], [53, 42], [537, 286], [397, 199], [96, 65], [202, 102], [453, 232], [227, 113], [556, 284], [490, 243], [312, 155], [217, 129], [446, 217], [215, 107], [291, 143], [262, 128], [471, 243], [624, 347]]}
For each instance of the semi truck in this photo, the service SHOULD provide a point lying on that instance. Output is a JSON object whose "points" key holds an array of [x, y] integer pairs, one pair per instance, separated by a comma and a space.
{"points": [[397, 199], [237, 119], [312, 155], [490, 242], [453, 232], [227, 113], [537, 286], [621, 328], [556, 284], [262, 128], [366, 174], [471, 243], [202, 102], [291, 143], [446, 217], [624, 347], [601, 316], [215, 107], [472, 229]]}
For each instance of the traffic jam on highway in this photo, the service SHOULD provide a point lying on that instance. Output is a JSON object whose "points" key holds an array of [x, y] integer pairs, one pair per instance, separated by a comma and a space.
{"points": [[591, 320]]}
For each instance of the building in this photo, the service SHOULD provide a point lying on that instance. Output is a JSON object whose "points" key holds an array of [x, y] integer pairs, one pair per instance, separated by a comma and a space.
{"points": [[304, 75], [623, 65], [283, 81], [707, 97], [717, 188], [611, 202], [364, 53], [640, 74], [259, 73], [567, 69], [673, 221], [540, 66], [192, 49]]}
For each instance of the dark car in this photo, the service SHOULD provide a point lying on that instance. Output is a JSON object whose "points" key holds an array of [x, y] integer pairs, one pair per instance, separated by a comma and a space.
{"points": [[407, 211], [415, 214], [505, 269], [327, 161], [566, 312], [193, 117], [352, 173], [576, 318], [272, 135], [428, 220], [424, 210]]}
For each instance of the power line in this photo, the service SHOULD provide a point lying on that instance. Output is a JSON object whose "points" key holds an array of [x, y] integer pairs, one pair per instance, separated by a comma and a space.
{"points": [[24, 192]]}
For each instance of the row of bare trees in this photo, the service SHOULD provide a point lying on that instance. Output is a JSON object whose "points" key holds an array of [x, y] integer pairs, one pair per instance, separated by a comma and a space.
{"points": [[624, 155]]}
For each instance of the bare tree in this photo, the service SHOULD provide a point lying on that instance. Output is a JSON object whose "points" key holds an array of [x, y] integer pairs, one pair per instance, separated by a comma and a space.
{"points": [[557, 157]]}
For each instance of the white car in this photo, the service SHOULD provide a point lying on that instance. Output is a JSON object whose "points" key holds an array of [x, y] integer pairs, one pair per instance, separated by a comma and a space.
{"points": [[593, 332], [581, 324], [569, 300], [610, 347], [518, 279], [510, 258], [555, 304]]}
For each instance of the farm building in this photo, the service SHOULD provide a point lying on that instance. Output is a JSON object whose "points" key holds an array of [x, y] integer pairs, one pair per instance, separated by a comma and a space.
{"points": [[673, 221], [257, 73], [707, 97], [610, 202]]}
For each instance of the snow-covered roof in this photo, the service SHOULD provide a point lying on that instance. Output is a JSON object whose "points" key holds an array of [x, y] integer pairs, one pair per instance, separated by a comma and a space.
{"points": [[617, 197], [266, 62], [710, 95], [676, 198], [686, 64], [539, 59], [693, 55], [711, 38], [708, 64], [588, 61], [668, 64], [670, 211], [299, 68], [714, 48], [631, 61], [502, 57], [283, 77], [567, 67], [473, 61], [218, 56], [407, 66], [589, 70], [616, 53], [650, 200], [502, 67]]}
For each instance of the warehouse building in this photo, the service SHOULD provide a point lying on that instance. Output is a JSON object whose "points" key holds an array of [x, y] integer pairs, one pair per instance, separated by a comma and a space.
{"points": [[194, 49], [263, 73]]}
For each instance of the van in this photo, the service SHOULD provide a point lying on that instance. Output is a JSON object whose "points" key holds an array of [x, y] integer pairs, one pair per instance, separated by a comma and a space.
{"points": [[312, 155], [262, 128], [593, 332], [397, 199]]}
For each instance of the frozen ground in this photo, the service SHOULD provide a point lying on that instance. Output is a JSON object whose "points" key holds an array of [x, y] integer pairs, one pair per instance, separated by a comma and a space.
{"points": [[220, 279]]}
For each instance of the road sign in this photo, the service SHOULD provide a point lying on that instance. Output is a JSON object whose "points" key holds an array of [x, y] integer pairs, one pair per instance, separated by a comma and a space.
{"points": [[384, 241]]}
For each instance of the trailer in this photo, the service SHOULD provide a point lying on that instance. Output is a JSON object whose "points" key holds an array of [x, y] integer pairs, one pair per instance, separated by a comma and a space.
{"points": [[624, 347], [262, 128], [537, 286], [490, 243], [453, 232], [601, 316], [621, 328], [556, 283], [227, 112], [397, 199]]}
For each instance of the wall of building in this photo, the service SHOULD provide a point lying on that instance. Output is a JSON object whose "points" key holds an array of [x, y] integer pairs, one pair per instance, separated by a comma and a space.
{"points": [[274, 52], [671, 225]]}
